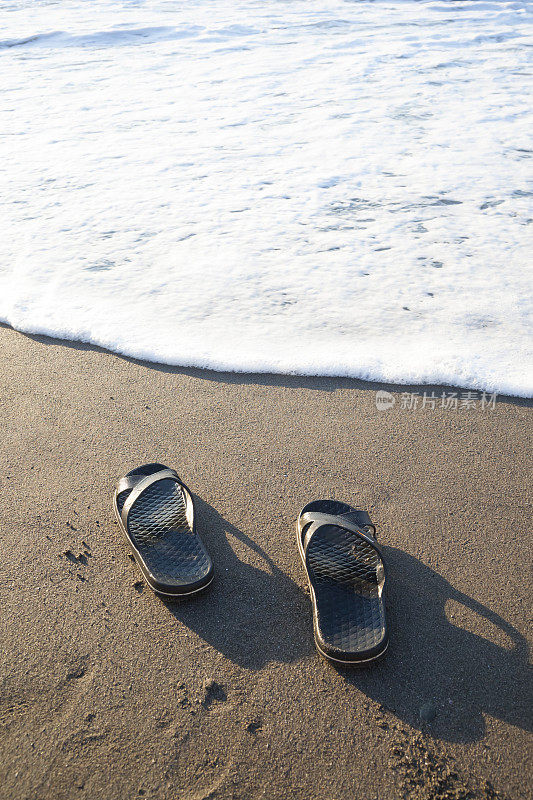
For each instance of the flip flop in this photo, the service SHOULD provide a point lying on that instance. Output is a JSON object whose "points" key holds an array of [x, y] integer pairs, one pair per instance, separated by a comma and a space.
{"points": [[155, 510], [346, 575]]}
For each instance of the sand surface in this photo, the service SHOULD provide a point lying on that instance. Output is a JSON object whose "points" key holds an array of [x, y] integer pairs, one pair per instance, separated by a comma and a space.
{"points": [[108, 692]]}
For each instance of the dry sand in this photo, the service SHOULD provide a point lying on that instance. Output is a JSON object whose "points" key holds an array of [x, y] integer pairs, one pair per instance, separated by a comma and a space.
{"points": [[108, 692]]}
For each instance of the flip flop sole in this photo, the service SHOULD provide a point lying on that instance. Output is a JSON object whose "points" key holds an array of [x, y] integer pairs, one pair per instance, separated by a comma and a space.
{"points": [[346, 578], [162, 536], [174, 595]]}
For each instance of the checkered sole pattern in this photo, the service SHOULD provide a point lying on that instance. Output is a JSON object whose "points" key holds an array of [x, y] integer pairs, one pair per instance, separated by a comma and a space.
{"points": [[158, 525], [347, 576]]}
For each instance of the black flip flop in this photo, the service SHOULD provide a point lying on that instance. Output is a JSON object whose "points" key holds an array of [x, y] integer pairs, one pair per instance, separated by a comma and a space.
{"points": [[346, 574], [155, 510]]}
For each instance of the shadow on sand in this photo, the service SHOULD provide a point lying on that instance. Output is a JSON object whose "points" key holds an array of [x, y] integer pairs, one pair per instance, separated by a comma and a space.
{"points": [[250, 614], [430, 659]]}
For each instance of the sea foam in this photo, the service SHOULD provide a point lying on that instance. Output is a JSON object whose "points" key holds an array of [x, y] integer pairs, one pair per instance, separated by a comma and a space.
{"points": [[336, 188]]}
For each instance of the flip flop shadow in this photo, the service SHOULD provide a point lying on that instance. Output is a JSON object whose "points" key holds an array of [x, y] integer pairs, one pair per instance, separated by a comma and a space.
{"points": [[432, 660], [244, 614]]}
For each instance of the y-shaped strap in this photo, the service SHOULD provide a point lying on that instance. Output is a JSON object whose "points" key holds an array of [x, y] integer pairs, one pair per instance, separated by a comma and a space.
{"points": [[318, 520], [140, 486]]}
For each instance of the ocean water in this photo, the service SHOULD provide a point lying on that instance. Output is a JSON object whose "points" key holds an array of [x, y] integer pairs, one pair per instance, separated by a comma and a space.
{"points": [[296, 186]]}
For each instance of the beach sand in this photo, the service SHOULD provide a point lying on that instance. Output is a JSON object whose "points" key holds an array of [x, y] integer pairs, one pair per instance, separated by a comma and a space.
{"points": [[109, 692]]}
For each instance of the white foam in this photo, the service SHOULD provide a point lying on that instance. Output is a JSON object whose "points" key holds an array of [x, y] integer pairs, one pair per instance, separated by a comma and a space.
{"points": [[307, 187]]}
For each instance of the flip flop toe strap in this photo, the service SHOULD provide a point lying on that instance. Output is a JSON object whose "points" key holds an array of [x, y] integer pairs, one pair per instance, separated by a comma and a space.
{"points": [[316, 521]]}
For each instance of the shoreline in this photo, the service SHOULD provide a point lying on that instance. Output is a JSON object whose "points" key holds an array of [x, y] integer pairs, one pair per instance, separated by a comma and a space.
{"points": [[271, 378], [109, 692]]}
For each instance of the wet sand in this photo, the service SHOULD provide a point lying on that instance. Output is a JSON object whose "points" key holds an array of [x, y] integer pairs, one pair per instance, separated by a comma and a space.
{"points": [[109, 692]]}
